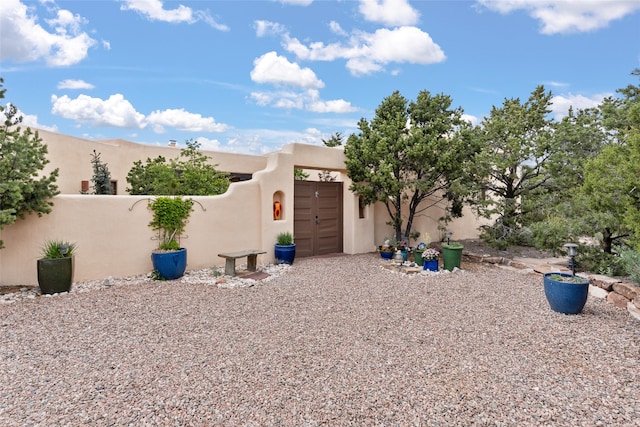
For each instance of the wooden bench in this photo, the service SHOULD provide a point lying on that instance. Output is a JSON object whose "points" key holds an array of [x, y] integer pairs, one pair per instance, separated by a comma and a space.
{"points": [[231, 257]]}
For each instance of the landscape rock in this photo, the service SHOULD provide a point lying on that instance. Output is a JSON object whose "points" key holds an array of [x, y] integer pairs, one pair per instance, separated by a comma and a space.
{"points": [[597, 292], [617, 299], [626, 289], [604, 282]]}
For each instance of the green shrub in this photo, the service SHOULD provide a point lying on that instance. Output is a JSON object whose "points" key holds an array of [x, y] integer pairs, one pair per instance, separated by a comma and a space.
{"points": [[55, 248], [170, 216], [595, 260], [631, 263], [285, 239]]}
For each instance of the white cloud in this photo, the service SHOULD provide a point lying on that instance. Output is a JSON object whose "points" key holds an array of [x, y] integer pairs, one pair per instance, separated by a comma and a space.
{"points": [[31, 120], [370, 52], [208, 144], [267, 28], [25, 40], [183, 120], [154, 10], [567, 16], [118, 112], [74, 84], [337, 29], [297, 2], [115, 111], [561, 103], [389, 12], [308, 100], [274, 69]]}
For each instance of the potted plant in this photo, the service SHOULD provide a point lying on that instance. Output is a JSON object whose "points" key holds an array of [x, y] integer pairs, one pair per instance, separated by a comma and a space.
{"points": [[285, 249], [170, 215], [55, 268], [430, 259], [387, 249], [566, 293]]}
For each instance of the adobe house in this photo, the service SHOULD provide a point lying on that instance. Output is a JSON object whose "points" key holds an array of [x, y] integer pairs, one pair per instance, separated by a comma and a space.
{"points": [[114, 239]]}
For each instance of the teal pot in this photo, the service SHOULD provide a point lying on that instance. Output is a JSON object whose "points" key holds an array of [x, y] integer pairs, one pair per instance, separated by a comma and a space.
{"points": [[55, 275], [285, 254], [430, 265], [566, 297], [452, 255], [170, 265]]}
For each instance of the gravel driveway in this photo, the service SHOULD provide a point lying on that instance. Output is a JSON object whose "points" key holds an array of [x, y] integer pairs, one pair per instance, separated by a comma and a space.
{"points": [[334, 341]]}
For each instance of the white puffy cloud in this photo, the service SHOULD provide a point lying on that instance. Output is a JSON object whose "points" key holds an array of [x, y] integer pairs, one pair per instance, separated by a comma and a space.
{"points": [[30, 120], [74, 84], [297, 2], [337, 29], [115, 111], [275, 69], [26, 40], [183, 120], [308, 100], [267, 28], [118, 112], [389, 12], [567, 16], [370, 52], [560, 103], [154, 10]]}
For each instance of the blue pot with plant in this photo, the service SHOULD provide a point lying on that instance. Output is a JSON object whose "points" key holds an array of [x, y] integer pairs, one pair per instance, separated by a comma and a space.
{"points": [[566, 293], [285, 248]]}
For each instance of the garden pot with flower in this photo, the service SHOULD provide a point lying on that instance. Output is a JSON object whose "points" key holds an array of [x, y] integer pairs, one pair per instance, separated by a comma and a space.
{"points": [[430, 259], [566, 293], [387, 249], [285, 249]]}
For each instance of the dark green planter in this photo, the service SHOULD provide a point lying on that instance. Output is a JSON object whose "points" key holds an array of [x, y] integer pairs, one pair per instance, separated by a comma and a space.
{"points": [[55, 275], [452, 255], [417, 257]]}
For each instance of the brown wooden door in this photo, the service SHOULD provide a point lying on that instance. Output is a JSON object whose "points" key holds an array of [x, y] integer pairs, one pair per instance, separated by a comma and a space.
{"points": [[317, 225]]}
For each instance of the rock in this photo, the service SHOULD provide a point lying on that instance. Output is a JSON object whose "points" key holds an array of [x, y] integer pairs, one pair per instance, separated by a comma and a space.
{"points": [[618, 300], [518, 265], [494, 259], [597, 292], [108, 282], [628, 290], [633, 310], [636, 301], [603, 282]]}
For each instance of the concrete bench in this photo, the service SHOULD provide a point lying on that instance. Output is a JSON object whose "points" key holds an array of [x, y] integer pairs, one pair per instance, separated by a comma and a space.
{"points": [[231, 257]]}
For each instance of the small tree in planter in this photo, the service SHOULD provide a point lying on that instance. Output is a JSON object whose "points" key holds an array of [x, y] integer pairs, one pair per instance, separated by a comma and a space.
{"points": [[170, 215]]}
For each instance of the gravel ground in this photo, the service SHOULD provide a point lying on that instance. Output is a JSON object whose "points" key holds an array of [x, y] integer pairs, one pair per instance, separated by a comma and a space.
{"points": [[330, 341]]}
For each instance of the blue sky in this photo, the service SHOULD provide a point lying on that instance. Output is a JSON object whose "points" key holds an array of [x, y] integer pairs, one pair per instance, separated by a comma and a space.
{"points": [[252, 76]]}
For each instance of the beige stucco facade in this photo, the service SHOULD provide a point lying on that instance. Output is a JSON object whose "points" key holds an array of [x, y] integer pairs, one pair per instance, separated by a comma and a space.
{"points": [[112, 232]]}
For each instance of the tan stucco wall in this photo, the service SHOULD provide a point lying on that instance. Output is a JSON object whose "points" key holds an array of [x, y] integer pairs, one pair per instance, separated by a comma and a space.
{"points": [[72, 156], [112, 232]]}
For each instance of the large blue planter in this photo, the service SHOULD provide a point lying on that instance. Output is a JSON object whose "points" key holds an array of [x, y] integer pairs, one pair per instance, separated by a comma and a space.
{"points": [[386, 254], [285, 254], [430, 264], [170, 265], [566, 297]]}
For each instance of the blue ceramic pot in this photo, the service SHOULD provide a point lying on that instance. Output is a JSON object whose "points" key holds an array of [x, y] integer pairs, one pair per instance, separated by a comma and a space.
{"points": [[386, 254], [285, 254], [170, 265], [566, 297], [430, 264]]}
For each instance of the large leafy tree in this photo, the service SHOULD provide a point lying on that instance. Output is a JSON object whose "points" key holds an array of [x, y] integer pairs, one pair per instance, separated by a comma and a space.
{"points": [[512, 167], [611, 187], [191, 174], [23, 188], [411, 154]]}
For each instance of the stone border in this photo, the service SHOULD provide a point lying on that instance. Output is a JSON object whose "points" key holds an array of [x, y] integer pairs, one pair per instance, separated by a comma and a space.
{"points": [[614, 291]]}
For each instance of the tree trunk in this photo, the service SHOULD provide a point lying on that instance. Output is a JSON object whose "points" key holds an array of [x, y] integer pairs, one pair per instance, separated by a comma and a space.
{"points": [[607, 240]]}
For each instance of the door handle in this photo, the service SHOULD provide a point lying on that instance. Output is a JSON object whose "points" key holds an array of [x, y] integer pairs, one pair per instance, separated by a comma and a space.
{"points": [[317, 221]]}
